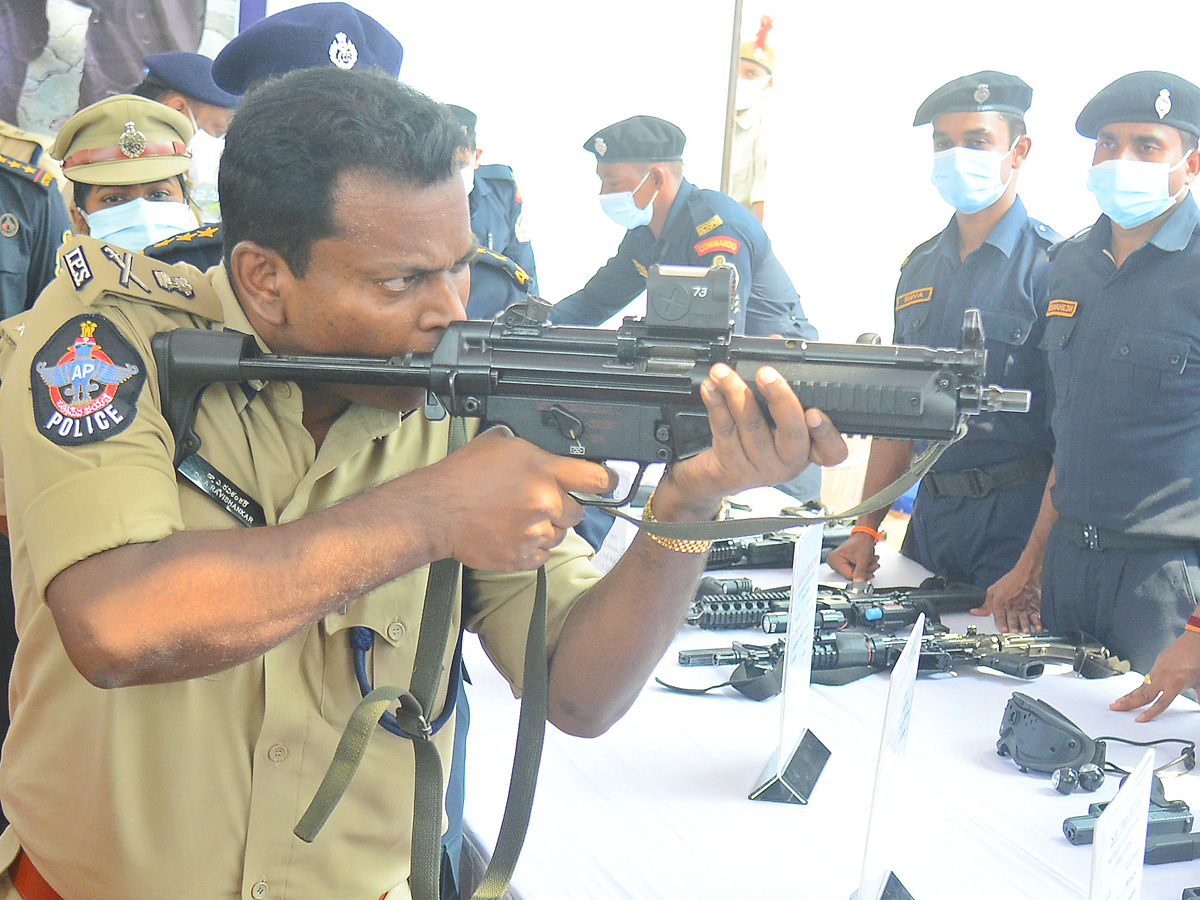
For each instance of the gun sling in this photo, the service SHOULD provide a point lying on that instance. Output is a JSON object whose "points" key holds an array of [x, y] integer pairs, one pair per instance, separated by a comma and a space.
{"points": [[980, 482]]}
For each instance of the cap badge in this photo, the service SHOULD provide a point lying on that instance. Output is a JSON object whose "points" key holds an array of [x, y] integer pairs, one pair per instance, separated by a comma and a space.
{"points": [[601, 147], [342, 52], [982, 92], [132, 142], [1162, 105]]}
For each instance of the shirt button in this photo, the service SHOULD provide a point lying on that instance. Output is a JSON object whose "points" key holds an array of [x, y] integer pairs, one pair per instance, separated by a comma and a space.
{"points": [[1016, 335], [259, 891], [1124, 351], [278, 754], [1062, 342], [395, 631], [1174, 359]]}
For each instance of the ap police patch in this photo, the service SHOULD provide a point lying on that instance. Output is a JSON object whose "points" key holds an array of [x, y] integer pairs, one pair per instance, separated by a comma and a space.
{"points": [[86, 381]]}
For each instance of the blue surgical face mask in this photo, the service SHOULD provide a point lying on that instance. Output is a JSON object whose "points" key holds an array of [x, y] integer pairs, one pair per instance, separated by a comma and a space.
{"points": [[1131, 192], [136, 224], [969, 179], [622, 209]]}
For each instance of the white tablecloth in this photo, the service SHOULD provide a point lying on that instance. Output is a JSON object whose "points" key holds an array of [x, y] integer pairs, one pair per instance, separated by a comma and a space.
{"points": [[658, 808]]}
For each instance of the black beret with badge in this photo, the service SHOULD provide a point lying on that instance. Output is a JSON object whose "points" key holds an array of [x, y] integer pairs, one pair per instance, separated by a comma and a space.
{"points": [[986, 91], [637, 139], [1143, 97], [306, 37]]}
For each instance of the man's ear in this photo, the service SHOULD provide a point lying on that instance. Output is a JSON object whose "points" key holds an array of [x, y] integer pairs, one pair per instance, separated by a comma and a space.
{"points": [[258, 276], [1021, 150]]}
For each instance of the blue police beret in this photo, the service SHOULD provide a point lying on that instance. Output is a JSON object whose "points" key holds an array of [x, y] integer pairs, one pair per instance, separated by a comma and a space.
{"points": [[306, 37], [190, 74], [1143, 97], [637, 139], [985, 91]]}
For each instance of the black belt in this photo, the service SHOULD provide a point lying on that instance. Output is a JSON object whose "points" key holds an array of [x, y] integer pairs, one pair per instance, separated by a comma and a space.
{"points": [[976, 483], [1093, 537]]}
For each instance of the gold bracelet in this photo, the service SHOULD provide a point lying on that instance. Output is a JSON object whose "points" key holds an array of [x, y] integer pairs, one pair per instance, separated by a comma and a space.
{"points": [[679, 544]]}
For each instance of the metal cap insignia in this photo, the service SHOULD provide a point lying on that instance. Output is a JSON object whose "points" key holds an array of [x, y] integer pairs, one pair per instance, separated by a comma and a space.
{"points": [[982, 93], [601, 147], [1162, 105], [342, 52], [132, 142]]}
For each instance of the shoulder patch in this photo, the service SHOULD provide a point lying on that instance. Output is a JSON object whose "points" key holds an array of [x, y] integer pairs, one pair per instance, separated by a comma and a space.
{"points": [[37, 175], [86, 381], [97, 268], [1066, 308], [921, 295], [705, 227], [718, 242]]}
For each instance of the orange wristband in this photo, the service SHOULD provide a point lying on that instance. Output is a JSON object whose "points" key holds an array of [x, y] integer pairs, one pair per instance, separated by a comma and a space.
{"points": [[1193, 624], [867, 529]]}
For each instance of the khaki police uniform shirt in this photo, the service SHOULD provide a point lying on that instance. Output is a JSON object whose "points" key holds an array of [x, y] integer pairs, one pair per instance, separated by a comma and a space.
{"points": [[748, 169], [191, 790]]}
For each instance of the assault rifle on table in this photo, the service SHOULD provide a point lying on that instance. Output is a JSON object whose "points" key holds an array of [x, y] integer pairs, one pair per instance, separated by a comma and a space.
{"points": [[771, 551], [840, 657], [736, 603], [630, 394]]}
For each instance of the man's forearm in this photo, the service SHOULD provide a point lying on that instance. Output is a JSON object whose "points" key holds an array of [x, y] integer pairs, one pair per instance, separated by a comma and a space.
{"points": [[198, 602], [889, 459], [1035, 548], [618, 631]]}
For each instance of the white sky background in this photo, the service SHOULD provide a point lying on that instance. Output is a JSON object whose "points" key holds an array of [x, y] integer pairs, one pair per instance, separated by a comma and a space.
{"points": [[850, 192]]}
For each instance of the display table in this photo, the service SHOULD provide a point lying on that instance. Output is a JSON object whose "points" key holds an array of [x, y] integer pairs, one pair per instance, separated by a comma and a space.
{"points": [[658, 808]]}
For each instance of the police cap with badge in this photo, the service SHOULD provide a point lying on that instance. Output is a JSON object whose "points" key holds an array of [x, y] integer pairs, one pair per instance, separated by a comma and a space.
{"points": [[189, 74], [986, 91], [124, 139], [637, 139], [1143, 97], [306, 37]]}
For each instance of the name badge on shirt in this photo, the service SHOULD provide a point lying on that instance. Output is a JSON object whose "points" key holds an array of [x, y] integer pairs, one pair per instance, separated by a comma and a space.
{"points": [[1065, 308], [921, 295], [705, 227]]}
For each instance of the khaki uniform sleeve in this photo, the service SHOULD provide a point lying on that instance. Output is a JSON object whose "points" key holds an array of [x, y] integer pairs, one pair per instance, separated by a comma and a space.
{"points": [[77, 487], [498, 607]]}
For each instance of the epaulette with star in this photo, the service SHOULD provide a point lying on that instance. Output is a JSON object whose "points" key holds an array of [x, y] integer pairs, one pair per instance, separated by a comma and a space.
{"points": [[200, 247], [36, 174]]}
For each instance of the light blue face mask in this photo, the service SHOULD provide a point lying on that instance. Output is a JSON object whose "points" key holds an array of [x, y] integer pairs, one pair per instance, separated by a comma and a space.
{"points": [[138, 223], [969, 179], [1131, 192], [622, 209]]}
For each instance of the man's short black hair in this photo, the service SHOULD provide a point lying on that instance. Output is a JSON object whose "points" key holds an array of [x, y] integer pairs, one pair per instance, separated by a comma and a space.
{"points": [[293, 137], [153, 89], [1016, 127]]}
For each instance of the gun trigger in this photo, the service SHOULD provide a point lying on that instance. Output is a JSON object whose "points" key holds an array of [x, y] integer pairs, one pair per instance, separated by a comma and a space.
{"points": [[434, 411]]}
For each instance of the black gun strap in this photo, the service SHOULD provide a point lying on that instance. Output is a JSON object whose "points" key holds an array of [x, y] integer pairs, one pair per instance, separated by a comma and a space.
{"points": [[734, 528]]}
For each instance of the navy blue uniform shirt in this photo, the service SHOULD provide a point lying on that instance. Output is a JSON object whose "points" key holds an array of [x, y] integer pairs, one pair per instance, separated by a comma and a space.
{"points": [[496, 220], [1006, 279], [1124, 352], [200, 247], [33, 221], [703, 228], [978, 539]]}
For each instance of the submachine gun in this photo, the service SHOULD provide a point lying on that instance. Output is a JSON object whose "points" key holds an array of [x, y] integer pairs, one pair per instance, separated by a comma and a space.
{"points": [[630, 394], [840, 656]]}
